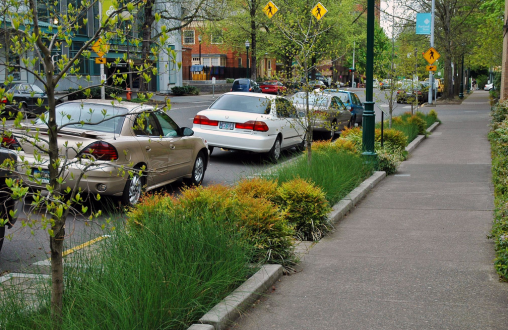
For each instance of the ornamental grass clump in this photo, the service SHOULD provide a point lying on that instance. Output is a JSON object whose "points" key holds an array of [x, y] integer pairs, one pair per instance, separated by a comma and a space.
{"points": [[339, 145], [305, 206], [498, 137]]}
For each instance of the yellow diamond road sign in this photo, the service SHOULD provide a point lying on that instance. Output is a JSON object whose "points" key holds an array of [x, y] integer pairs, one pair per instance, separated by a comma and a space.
{"points": [[100, 47], [431, 55], [270, 9], [319, 11]]}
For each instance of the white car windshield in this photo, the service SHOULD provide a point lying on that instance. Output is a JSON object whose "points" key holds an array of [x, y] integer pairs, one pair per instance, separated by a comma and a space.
{"points": [[242, 103], [89, 116]]}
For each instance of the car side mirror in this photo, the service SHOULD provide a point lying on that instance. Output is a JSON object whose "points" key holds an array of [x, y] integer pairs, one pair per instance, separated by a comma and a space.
{"points": [[187, 131]]}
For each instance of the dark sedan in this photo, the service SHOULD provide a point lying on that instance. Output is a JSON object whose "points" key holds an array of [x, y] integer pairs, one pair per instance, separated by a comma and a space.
{"points": [[25, 97]]}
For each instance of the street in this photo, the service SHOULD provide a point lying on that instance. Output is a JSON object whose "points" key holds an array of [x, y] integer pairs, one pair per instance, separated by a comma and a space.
{"points": [[28, 246]]}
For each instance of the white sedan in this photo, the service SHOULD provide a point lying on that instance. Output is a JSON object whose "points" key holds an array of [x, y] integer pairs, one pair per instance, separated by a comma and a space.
{"points": [[258, 123]]}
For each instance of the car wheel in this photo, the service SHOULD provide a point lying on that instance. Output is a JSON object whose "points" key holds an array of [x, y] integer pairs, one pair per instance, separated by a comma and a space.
{"points": [[2, 234], [274, 153], [198, 171], [333, 129], [133, 189]]}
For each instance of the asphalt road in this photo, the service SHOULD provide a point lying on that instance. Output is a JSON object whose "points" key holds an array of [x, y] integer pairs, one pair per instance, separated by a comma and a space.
{"points": [[29, 245]]}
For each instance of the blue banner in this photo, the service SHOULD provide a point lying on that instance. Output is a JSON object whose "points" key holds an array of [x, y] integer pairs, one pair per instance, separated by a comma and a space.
{"points": [[423, 23]]}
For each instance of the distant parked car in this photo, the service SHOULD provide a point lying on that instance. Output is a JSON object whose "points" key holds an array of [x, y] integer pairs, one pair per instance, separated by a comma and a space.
{"points": [[272, 87], [331, 115], [259, 123], [352, 103], [385, 84], [245, 85], [409, 92], [488, 87], [25, 97], [375, 83], [7, 204]]}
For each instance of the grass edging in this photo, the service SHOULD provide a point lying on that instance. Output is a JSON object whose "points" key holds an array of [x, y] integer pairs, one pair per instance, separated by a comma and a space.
{"points": [[222, 314], [412, 146]]}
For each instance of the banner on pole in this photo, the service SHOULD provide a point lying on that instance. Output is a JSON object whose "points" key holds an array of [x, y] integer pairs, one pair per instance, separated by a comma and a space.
{"points": [[423, 21]]}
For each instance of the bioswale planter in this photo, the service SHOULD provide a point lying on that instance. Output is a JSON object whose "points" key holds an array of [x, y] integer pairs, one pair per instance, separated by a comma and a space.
{"points": [[229, 309]]}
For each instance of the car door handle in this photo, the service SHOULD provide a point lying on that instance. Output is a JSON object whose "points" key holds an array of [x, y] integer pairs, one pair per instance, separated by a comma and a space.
{"points": [[148, 148], [171, 146]]}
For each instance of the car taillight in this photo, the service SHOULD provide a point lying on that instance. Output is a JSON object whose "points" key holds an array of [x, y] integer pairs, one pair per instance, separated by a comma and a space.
{"points": [[4, 100], [258, 126], [203, 120], [101, 150], [10, 142]]}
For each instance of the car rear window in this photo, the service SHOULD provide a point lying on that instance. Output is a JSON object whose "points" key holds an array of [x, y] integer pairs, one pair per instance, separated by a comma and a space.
{"points": [[320, 100], [90, 117], [241, 85], [269, 83], [242, 103]]}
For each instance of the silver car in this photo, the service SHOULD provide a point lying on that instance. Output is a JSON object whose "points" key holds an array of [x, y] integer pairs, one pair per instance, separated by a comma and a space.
{"points": [[328, 112]]}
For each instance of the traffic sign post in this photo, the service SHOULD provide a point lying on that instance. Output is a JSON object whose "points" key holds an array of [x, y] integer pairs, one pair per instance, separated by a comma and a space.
{"points": [[270, 9], [319, 11]]}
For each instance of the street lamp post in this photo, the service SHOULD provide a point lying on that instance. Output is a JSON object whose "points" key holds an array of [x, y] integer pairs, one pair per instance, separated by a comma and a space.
{"points": [[461, 92], [199, 39], [247, 45], [369, 115]]}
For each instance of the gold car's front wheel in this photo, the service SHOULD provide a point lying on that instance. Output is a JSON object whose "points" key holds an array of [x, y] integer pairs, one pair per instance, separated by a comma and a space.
{"points": [[198, 171], [133, 190]]}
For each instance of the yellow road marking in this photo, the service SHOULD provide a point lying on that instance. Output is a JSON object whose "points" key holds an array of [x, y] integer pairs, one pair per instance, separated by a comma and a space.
{"points": [[84, 245]]}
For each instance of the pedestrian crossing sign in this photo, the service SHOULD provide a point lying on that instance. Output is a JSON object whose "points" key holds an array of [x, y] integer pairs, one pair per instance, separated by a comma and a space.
{"points": [[270, 9], [431, 55], [319, 11]]}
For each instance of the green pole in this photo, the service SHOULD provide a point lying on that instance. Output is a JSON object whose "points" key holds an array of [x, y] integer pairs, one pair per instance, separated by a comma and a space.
{"points": [[461, 91], [369, 117]]}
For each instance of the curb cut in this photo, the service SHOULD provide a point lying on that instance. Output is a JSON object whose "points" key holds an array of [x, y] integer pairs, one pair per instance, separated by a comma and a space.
{"points": [[220, 316]]}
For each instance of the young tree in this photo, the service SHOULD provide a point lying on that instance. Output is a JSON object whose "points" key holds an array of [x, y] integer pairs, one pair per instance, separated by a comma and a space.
{"points": [[35, 43]]}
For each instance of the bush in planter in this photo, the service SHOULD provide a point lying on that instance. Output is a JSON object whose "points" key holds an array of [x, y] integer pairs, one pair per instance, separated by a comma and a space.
{"points": [[305, 206], [178, 91], [257, 188], [387, 162], [230, 80], [338, 145]]}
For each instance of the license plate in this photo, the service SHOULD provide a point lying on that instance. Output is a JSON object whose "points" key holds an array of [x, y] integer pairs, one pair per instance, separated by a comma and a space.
{"points": [[266, 87], [43, 176], [226, 125]]}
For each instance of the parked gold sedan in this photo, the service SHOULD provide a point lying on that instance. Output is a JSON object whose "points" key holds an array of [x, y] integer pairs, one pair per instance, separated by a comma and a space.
{"points": [[106, 141]]}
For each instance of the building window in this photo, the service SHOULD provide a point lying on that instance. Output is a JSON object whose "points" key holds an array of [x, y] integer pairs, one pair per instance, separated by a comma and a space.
{"points": [[215, 61], [269, 64], [206, 61], [82, 15], [195, 59], [188, 37], [217, 38], [240, 62], [83, 67]]}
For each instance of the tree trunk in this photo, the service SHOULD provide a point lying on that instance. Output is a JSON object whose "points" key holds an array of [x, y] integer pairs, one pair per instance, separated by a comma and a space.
{"points": [[57, 272], [253, 63]]}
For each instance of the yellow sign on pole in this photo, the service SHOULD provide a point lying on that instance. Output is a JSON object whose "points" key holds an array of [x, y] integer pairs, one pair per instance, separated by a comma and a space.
{"points": [[100, 47], [319, 11], [431, 68], [431, 55], [270, 9], [100, 60]]}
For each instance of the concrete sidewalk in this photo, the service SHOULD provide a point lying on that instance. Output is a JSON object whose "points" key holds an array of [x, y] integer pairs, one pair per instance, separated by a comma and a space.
{"points": [[414, 253]]}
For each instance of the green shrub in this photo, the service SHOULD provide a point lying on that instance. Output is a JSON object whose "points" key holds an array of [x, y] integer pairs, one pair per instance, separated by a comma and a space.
{"points": [[230, 80], [305, 206], [339, 145], [392, 136], [257, 188], [178, 90], [499, 112], [419, 122], [387, 162]]}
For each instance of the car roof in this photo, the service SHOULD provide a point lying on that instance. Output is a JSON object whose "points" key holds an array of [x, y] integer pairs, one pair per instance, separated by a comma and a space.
{"points": [[250, 94], [130, 106]]}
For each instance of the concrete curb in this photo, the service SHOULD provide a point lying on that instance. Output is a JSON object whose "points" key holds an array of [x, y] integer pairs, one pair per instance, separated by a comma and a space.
{"points": [[220, 316], [433, 126], [412, 146]]}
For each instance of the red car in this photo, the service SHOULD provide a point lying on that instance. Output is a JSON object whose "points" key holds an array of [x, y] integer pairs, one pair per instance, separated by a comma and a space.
{"points": [[272, 87]]}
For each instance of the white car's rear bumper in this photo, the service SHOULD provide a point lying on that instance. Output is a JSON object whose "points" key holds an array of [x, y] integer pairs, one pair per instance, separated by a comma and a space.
{"points": [[254, 142]]}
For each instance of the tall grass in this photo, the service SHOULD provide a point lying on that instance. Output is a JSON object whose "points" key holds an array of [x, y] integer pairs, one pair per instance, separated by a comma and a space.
{"points": [[336, 173], [163, 275], [409, 130]]}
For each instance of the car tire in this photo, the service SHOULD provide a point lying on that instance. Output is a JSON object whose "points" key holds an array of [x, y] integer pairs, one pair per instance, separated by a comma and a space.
{"points": [[2, 235], [274, 153], [198, 171], [133, 189]]}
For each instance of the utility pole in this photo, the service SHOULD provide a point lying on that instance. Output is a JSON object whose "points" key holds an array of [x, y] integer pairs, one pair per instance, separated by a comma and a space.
{"points": [[103, 76], [353, 72], [431, 74], [369, 115]]}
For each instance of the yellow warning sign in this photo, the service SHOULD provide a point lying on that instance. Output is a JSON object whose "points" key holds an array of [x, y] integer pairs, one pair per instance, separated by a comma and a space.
{"points": [[431, 55], [270, 9], [319, 11], [100, 60], [100, 47], [431, 68]]}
